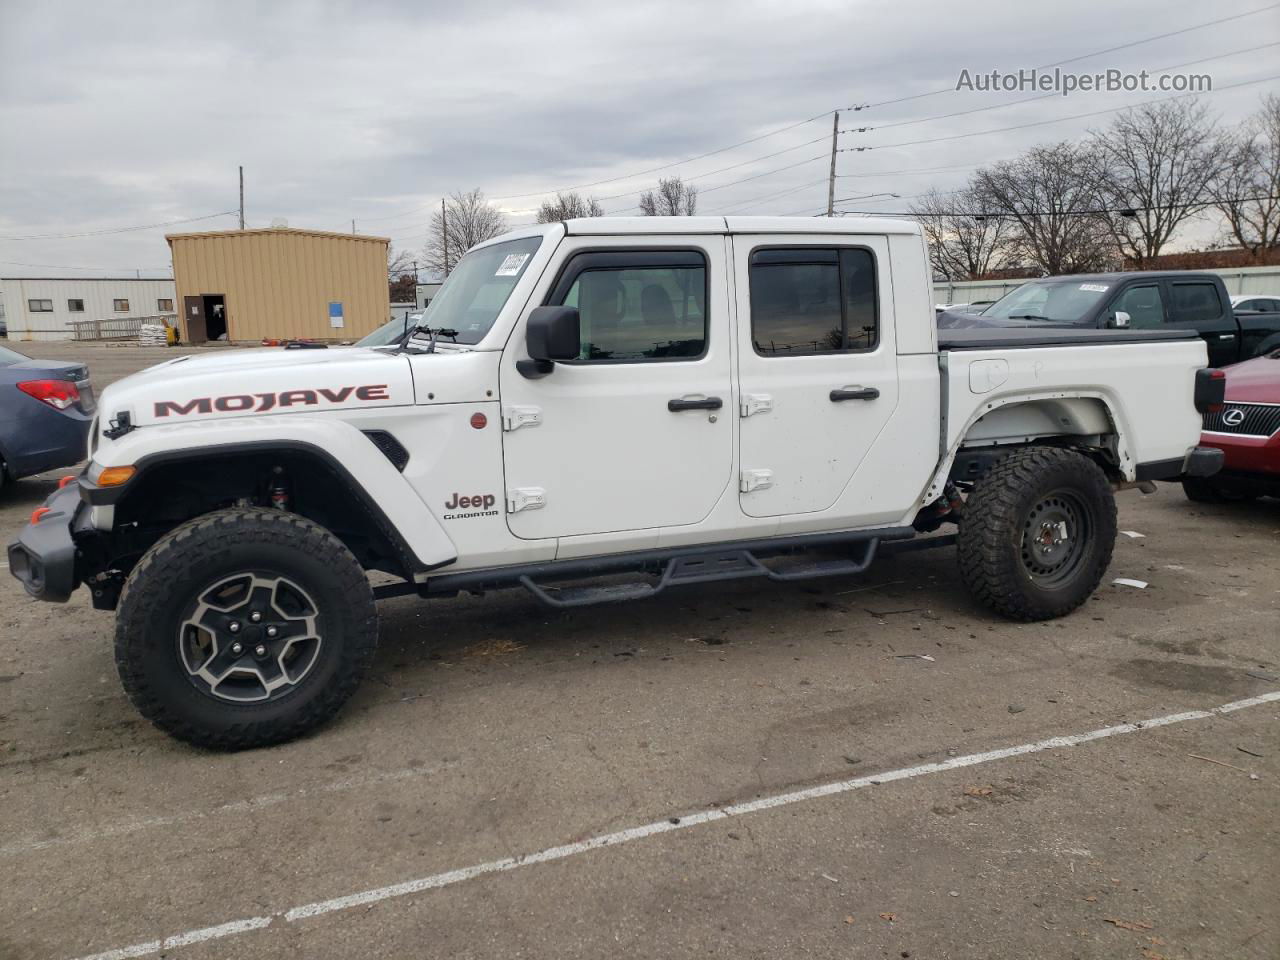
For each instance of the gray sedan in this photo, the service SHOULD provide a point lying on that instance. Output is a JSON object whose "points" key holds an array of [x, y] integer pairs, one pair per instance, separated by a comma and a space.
{"points": [[46, 410]]}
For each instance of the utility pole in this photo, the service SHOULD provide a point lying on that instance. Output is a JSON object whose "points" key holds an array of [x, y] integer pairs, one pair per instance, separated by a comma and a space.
{"points": [[444, 228], [831, 181], [242, 198]]}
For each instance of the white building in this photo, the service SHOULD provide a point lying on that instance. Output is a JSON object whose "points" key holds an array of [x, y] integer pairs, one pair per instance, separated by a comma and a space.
{"points": [[42, 308], [426, 293]]}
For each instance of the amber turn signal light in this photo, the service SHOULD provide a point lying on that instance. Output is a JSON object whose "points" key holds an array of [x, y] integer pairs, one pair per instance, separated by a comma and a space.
{"points": [[115, 476]]}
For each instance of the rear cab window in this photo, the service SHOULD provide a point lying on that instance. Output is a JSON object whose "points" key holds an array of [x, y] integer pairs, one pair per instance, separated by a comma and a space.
{"points": [[809, 301], [1194, 301]]}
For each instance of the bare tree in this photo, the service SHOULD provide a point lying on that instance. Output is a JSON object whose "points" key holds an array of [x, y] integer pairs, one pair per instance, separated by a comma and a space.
{"points": [[569, 206], [963, 245], [673, 198], [1247, 189], [1045, 194], [1152, 170], [402, 275], [468, 219], [400, 261]]}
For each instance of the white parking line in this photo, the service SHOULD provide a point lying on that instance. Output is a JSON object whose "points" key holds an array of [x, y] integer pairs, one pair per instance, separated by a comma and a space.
{"points": [[435, 881], [32, 844]]}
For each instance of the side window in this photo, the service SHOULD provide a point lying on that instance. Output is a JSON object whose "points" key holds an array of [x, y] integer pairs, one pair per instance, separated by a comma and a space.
{"points": [[638, 305], [813, 300], [1144, 305], [1195, 301]]}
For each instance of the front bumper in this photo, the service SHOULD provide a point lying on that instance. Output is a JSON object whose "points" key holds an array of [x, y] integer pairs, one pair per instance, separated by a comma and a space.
{"points": [[44, 555]]}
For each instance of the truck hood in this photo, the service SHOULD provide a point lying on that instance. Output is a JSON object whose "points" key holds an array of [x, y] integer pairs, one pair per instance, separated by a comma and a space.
{"points": [[238, 383]]}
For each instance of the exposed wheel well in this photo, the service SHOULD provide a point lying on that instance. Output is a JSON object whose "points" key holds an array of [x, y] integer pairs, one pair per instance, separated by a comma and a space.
{"points": [[1080, 423], [174, 491]]}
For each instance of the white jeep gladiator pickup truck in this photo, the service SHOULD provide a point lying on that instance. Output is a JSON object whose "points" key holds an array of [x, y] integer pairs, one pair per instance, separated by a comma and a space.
{"points": [[597, 410]]}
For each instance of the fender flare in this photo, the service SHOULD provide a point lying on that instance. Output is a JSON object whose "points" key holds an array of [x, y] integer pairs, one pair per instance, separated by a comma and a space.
{"points": [[390, 499], [1127, 464]]}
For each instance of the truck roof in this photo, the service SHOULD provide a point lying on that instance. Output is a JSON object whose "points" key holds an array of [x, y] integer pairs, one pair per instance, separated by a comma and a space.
{"points": [[1118, 275], [614, 226]]}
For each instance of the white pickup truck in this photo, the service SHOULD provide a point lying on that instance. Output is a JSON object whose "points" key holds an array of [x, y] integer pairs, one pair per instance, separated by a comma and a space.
{"points": [[597, 410]]}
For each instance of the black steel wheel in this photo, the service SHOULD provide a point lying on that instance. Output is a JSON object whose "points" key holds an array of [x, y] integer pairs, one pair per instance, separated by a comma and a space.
{"points": [[1036, 533]]}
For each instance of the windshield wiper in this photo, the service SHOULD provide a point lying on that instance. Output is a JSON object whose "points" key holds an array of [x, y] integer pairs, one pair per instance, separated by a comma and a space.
{"points": [[434, 332], [1026, 316]]}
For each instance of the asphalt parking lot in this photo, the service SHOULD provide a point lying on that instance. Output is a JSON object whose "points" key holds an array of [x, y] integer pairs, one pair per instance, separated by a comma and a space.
{"points": [[859, 767]]}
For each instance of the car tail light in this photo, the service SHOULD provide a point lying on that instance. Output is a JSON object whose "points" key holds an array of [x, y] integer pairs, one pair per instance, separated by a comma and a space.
{"points": [[58, 394], [1211, 390]]}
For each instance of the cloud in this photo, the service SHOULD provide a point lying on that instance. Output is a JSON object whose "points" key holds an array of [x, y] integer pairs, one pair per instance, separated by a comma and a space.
{"points": [[133, 113]]}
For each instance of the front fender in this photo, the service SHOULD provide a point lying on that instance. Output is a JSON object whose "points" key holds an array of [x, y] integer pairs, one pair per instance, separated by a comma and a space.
{"points": [[369, 474]]}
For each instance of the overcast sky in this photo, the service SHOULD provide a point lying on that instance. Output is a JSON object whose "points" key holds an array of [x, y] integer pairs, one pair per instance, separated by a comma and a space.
{"points": [[122, 114]]}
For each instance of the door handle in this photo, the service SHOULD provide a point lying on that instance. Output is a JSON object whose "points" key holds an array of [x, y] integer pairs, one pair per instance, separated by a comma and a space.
{"points": [[858, 393], [1226, 336], [709, 403]]}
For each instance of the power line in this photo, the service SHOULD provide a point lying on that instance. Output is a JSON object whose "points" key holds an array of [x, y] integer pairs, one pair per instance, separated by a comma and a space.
{"points": [[733, 183], [1046, 96], [768, 196], [102, 233], [1083, 56], [1040, 123], [791, 126], [1123, 211], [60, 266]]}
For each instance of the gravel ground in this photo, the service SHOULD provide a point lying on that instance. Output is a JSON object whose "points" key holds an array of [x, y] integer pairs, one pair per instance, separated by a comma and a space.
{"points": [[493, 729]]}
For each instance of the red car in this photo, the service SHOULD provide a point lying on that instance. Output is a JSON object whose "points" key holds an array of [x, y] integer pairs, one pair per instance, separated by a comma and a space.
{"points": [[1247, 431]]}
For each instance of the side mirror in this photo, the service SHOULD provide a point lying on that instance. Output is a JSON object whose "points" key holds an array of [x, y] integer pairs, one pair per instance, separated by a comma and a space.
{"points": [[1119, 320], [552, 333]]}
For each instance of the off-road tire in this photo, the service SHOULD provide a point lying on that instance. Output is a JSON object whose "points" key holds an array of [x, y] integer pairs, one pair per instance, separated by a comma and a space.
{"points": [[181, 565], [996, 518]]}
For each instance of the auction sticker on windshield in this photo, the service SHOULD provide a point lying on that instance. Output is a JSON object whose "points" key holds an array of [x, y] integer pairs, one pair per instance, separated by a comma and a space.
{"points": [[510, 266], [1094, 287]]}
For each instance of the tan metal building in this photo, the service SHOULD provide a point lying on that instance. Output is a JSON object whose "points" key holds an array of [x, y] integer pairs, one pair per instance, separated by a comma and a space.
{"points": [[279, 283]]}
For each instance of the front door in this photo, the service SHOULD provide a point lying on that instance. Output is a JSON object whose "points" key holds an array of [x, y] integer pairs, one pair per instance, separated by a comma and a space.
{"points": [[193, 314], [818, 372], [636, 434]]}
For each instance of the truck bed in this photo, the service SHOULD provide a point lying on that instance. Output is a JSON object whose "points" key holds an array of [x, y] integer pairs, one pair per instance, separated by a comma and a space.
{"points": [[1014, 338]]}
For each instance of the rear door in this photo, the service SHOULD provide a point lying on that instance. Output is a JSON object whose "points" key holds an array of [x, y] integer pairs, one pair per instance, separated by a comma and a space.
{"points": [[818, 370], [637, 433], [1199, 305]]}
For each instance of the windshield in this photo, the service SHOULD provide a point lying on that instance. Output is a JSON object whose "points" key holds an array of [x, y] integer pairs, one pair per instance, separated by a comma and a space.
{"points": [[10, 356], [1064, 301], [478, 288], [390, 332]]}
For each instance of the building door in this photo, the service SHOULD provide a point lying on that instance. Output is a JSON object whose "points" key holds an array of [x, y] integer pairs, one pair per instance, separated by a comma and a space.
{"points": [[637, 433], [193, 317], [817, 367], [215, 316]]}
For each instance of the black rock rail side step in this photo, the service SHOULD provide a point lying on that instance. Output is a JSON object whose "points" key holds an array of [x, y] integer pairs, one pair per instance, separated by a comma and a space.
{"points": [[700, 568], [671, 566]]}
